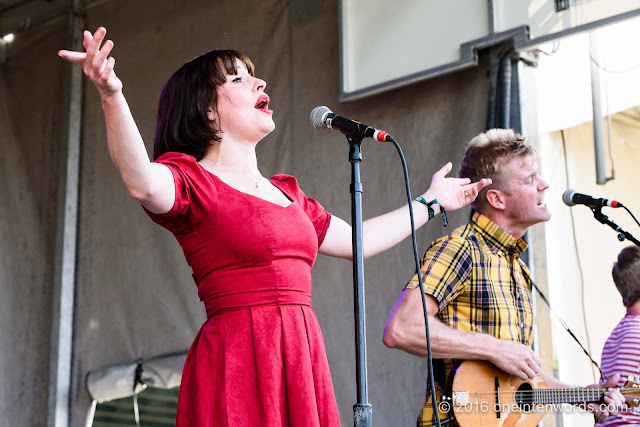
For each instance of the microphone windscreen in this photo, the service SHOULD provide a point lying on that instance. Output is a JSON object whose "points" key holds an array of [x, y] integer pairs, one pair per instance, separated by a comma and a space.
{"points": [[567, 197], [318, 117]]}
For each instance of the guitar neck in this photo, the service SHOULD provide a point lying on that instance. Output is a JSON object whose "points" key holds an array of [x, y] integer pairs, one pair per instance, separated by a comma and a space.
{"points": [[543, 396]]}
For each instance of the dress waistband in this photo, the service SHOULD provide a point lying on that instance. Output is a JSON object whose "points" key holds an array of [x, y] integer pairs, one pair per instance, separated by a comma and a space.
{"points": [[217, 304]]}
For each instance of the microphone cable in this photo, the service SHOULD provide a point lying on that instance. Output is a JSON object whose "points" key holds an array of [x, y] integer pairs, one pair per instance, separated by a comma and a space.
{"points": [[420, 284], [630, 213], [580, 270]]}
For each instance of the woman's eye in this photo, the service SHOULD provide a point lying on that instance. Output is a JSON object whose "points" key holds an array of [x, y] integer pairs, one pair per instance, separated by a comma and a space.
{"points": [[237, 79]]}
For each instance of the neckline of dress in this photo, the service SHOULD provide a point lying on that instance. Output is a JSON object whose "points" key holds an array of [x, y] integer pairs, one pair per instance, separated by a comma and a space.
{"points": [[251, 195]]}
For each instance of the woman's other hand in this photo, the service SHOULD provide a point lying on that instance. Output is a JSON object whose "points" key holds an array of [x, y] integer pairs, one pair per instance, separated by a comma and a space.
{"points": [[453, 193]]}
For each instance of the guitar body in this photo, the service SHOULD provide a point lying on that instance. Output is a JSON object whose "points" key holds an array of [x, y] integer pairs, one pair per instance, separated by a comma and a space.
{"points": [[480, 395], [474, 400]]}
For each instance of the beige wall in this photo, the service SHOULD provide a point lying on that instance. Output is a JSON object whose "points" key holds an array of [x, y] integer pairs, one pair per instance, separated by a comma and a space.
{"points": [[581, 250]]}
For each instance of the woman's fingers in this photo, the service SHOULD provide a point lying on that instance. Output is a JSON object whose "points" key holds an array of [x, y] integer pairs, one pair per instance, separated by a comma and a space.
{"points": [[97, 66], [108, 69], [444, 170], [91, 68], [95, 61], [78, 57], [100, 60], [94, 41], [87, 37], [470, 186], [462, 181], [478, 185], [472, 191], [95, 55], [75, 57]]}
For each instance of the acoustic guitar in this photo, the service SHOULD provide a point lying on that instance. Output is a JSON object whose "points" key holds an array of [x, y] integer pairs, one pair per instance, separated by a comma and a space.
{"points": [[478, 394]]}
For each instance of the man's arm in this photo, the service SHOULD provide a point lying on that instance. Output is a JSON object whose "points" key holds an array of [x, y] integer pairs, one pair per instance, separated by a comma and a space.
{"points": [[405, 330]]}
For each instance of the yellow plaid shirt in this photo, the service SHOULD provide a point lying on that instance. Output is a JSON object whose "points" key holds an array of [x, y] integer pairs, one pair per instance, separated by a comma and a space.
{"points": [[481, 285]]}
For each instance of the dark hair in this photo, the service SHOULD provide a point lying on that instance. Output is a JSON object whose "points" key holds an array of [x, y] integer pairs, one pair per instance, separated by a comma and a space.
{"points": [[488, 154], [626, 275], [183, 124]]}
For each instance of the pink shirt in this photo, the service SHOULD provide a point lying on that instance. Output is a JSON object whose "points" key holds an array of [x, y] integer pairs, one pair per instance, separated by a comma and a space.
{"points": [[621, 355]]}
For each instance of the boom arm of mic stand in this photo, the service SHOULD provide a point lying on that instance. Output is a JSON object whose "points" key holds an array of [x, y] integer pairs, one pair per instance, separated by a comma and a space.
{"points": [[622, 234]]}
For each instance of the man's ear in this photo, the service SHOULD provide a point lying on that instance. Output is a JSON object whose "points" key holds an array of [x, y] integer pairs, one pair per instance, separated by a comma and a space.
{"points": [[495, 198]]}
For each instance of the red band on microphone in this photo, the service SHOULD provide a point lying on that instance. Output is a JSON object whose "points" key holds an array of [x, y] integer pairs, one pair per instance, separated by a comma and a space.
{"points": [[380, 135]]}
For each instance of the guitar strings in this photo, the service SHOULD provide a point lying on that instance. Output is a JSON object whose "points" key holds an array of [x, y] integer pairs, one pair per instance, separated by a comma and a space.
{"points": [[552, 390]]}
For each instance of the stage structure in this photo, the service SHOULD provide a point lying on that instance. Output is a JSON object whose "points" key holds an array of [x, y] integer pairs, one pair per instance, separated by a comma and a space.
{"points": [[388, 45]]}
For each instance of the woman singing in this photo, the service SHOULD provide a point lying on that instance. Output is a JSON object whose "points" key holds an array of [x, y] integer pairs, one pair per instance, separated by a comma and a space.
{"points": [[251, 241]]}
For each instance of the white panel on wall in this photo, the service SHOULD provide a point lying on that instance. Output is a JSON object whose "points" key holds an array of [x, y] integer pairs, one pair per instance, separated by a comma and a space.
{"points": [[390, 44]]}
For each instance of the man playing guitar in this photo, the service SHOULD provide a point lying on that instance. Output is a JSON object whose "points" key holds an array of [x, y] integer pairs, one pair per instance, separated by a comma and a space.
{"points": [[478, 291]]}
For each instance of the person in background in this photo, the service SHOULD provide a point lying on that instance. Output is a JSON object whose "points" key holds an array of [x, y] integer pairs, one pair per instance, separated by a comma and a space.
{"points": [[621, 351], [251, 241]]}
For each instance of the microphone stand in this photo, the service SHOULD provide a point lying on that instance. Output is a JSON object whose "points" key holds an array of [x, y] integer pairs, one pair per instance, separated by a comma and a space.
{"points": [[622, 234], [362, 410]]}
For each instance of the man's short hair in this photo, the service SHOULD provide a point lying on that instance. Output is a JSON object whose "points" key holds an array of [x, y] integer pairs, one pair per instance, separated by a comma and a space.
{"points": [[488, 155], [626, 275]]}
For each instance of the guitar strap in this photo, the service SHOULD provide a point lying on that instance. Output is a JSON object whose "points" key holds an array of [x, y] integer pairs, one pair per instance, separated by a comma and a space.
{"points": [[439, 374], [426, 416], [566, 327]]}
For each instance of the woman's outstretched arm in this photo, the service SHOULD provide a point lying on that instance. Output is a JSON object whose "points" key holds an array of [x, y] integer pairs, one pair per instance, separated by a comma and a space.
{"points": [[150, 183], [385, 231]]}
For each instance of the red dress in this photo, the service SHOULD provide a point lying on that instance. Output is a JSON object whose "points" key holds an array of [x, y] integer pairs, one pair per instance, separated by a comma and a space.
{"points": [[259, 359]]}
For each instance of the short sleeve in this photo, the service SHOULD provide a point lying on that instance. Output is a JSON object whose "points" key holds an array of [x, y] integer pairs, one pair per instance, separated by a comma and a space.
{"points": [[318, 216], [446, 268], [193, 188]]}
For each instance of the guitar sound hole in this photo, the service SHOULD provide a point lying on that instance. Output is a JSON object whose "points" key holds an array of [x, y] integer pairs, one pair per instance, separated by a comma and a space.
{"points": [[524, 397]]}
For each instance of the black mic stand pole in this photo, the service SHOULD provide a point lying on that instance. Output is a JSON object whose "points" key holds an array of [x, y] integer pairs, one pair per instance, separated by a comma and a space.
{"points": [[362, 410], [622, 234]]}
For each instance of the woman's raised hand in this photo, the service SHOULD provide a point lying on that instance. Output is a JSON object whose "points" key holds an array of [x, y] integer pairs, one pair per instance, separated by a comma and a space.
{"points": [[453, 193], [96, 62]]}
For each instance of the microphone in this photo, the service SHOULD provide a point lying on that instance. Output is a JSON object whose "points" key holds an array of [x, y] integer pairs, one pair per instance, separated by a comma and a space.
{"points": [[323, 118], [571, 198]]}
